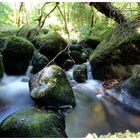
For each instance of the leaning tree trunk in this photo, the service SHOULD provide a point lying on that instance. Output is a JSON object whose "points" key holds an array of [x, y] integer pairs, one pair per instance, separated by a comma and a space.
{"points": [[109, 10], [117, 51]]}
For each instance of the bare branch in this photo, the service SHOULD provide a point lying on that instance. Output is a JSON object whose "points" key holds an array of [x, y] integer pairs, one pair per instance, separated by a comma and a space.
{"points": [[43, 22], [41, 11]]}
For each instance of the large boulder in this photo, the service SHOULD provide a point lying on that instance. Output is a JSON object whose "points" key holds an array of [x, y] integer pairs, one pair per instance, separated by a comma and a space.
{"points": [[80, 73], [113, 61], [39, 61], [50, 44], [33, 123], [17, 55], [50, 87]]}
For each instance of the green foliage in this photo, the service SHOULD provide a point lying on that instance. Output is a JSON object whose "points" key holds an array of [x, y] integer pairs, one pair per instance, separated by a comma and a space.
{"points": [[5, 12], [126, 134], [79, 17]]}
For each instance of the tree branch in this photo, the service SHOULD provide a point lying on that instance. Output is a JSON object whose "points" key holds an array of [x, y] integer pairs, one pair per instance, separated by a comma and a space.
{"points": [[43, 22]]}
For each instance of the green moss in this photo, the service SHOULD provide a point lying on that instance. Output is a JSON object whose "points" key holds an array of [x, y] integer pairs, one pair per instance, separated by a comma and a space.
{"points": [[29, 31], [126, 134], [80, 73], [52, 88], [15, 43], [19, 50], [49, 44], [33, 123], [25, 29], [39, 61], [113, 40]]}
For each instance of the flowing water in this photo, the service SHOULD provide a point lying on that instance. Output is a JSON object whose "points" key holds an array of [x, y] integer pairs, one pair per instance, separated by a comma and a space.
{"points": [[14, 94], [95, 111]]}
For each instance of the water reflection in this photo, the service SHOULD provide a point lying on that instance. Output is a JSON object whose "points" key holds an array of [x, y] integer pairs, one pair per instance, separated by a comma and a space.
{"points": [[98, 115]]}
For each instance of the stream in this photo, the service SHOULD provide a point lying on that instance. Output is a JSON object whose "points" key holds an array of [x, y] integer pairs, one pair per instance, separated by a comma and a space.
{"points": [[95, 111]]}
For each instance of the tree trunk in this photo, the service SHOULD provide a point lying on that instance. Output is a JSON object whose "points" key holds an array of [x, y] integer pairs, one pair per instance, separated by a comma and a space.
{"points": [[63, 14], [109, 10], [22, 18]]}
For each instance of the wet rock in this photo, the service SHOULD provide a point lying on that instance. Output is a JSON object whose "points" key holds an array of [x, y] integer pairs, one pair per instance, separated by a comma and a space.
{"points": [[80, 73], [50, 87], [131, 86], [33, 123], [17, 55], [39, 61]]}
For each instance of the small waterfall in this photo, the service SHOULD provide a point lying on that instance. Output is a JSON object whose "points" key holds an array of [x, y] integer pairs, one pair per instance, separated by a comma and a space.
{"points": [[91, 87], [89, 71], [29, 70]]}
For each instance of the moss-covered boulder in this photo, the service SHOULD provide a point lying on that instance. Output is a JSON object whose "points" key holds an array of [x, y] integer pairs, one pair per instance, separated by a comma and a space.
{"points": [[80, 73], [29, 31], [39, 61], [77, 57], [33, 123], [50, 87], [17, 55], [82, 48], [50, 44], [112, 58]]}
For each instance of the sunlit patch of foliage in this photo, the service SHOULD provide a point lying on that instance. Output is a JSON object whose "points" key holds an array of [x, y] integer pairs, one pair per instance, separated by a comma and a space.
{"points": [[126, 134]]}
